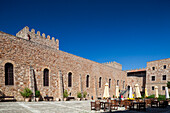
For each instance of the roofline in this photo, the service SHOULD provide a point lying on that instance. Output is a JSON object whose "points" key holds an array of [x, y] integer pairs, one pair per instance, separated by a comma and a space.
{"points": [[158, 60]]}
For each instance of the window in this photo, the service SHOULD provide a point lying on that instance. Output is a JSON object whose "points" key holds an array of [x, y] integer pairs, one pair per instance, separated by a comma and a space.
{"points": [[117, 82], [163, 87], [46, 77], [153, 68], [164, 66], [109, 83], [69, 79], [164, 77], [153, 87], [100, 82], [87, 81], [9, 77], [153, 78]]}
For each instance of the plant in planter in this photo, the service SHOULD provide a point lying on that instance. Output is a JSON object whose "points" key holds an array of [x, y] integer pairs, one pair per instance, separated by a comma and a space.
{"points": [[27, 93], [84, 95], [37, 95], [79, 95], [65, 95]]}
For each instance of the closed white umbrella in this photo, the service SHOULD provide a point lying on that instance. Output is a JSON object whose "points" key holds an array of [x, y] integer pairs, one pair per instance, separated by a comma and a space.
{"points": [[137, 91], [156, 92], [166, 93], [130, 93], [146, 93], [117, 91], [106, 91]]}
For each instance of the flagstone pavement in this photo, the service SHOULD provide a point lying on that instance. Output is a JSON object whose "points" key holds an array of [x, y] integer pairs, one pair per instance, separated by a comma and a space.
{"points": [[62, 107]]}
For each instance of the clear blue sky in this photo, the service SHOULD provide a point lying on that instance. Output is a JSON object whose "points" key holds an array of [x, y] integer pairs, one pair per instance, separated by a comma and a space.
{"points": [[130, 32]]}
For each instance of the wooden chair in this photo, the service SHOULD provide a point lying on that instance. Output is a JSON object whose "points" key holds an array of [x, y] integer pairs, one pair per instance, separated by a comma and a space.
{"points": [[142, 106], [92, 105], [127, 104], [97, 105], [114, 105], [162, 104]]}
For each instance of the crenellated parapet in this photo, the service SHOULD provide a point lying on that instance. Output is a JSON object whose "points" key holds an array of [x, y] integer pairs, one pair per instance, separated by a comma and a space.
{"points": [[114, 64], [25, 33]]}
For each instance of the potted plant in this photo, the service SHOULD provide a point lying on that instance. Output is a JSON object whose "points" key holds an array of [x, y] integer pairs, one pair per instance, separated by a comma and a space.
{"points": [[27, 93], [65, 95], [37, 95], [84, 95], [79, 95]]}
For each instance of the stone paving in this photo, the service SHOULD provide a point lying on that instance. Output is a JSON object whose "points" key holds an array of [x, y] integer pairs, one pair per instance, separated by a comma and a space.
{"points": [[62, 107]]}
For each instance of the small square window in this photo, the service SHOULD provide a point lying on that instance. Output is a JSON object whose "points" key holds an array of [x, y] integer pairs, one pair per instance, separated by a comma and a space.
{"points": [[163, 87], [164, 77], [164, 66], [153, 78], [153, 68], [153, 87]]}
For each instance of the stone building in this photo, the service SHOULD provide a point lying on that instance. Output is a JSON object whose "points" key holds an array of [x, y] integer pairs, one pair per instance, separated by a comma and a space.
{"points": [[158, 74], [33, 60], [137, 76]]}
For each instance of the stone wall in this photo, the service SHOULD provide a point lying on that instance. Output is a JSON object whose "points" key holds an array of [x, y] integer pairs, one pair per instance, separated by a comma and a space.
{"points": [[114, 65], [30, 35], [24, 53], [158, 73]]}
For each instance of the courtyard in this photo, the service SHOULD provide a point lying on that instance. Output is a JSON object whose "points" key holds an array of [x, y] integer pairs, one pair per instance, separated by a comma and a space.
{"points": [[61, 107]]}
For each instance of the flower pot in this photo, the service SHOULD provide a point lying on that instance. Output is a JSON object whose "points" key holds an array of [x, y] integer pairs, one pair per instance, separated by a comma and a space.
{"points": [[27, 99], [78, 99], [37, 99], [65, 99]]}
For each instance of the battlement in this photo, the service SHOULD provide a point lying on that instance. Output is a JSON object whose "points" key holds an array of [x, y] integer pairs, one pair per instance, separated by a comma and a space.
{"points": [[25, 33], [114, 64]]}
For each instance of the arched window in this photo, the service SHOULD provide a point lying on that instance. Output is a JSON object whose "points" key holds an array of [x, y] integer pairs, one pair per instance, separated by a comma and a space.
{"points": [[9, 76], [109, 83], [87, 81], [69, 79], [46, 77], [100, 82]]}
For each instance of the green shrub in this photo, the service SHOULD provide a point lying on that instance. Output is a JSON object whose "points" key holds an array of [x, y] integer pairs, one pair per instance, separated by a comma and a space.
{"points": [[151, 96], [79, 95], [26, 93], [162, 97], [65, 94], [37, 93], [84, 94]]}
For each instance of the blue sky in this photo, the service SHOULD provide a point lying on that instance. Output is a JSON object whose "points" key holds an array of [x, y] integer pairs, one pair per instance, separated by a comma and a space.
{"points": [[130, 32]]}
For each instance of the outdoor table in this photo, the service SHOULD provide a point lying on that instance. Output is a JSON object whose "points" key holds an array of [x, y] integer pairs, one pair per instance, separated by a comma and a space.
{"points": [[155, 104], [103, 105], [138, 106]]}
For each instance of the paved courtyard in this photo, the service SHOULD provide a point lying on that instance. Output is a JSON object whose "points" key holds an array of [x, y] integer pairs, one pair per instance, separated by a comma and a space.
{"points": [[60, 107]]}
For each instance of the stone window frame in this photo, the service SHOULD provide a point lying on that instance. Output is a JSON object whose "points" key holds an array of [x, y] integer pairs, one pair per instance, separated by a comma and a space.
{"points": [[48, 76], [164, 66], [153, 68], [86, 80], [165, 79], [3, 72], [162, 88], [153, 88], [100, 82], [117, 82], [151, 78], [110, 83], [71, 79]]}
